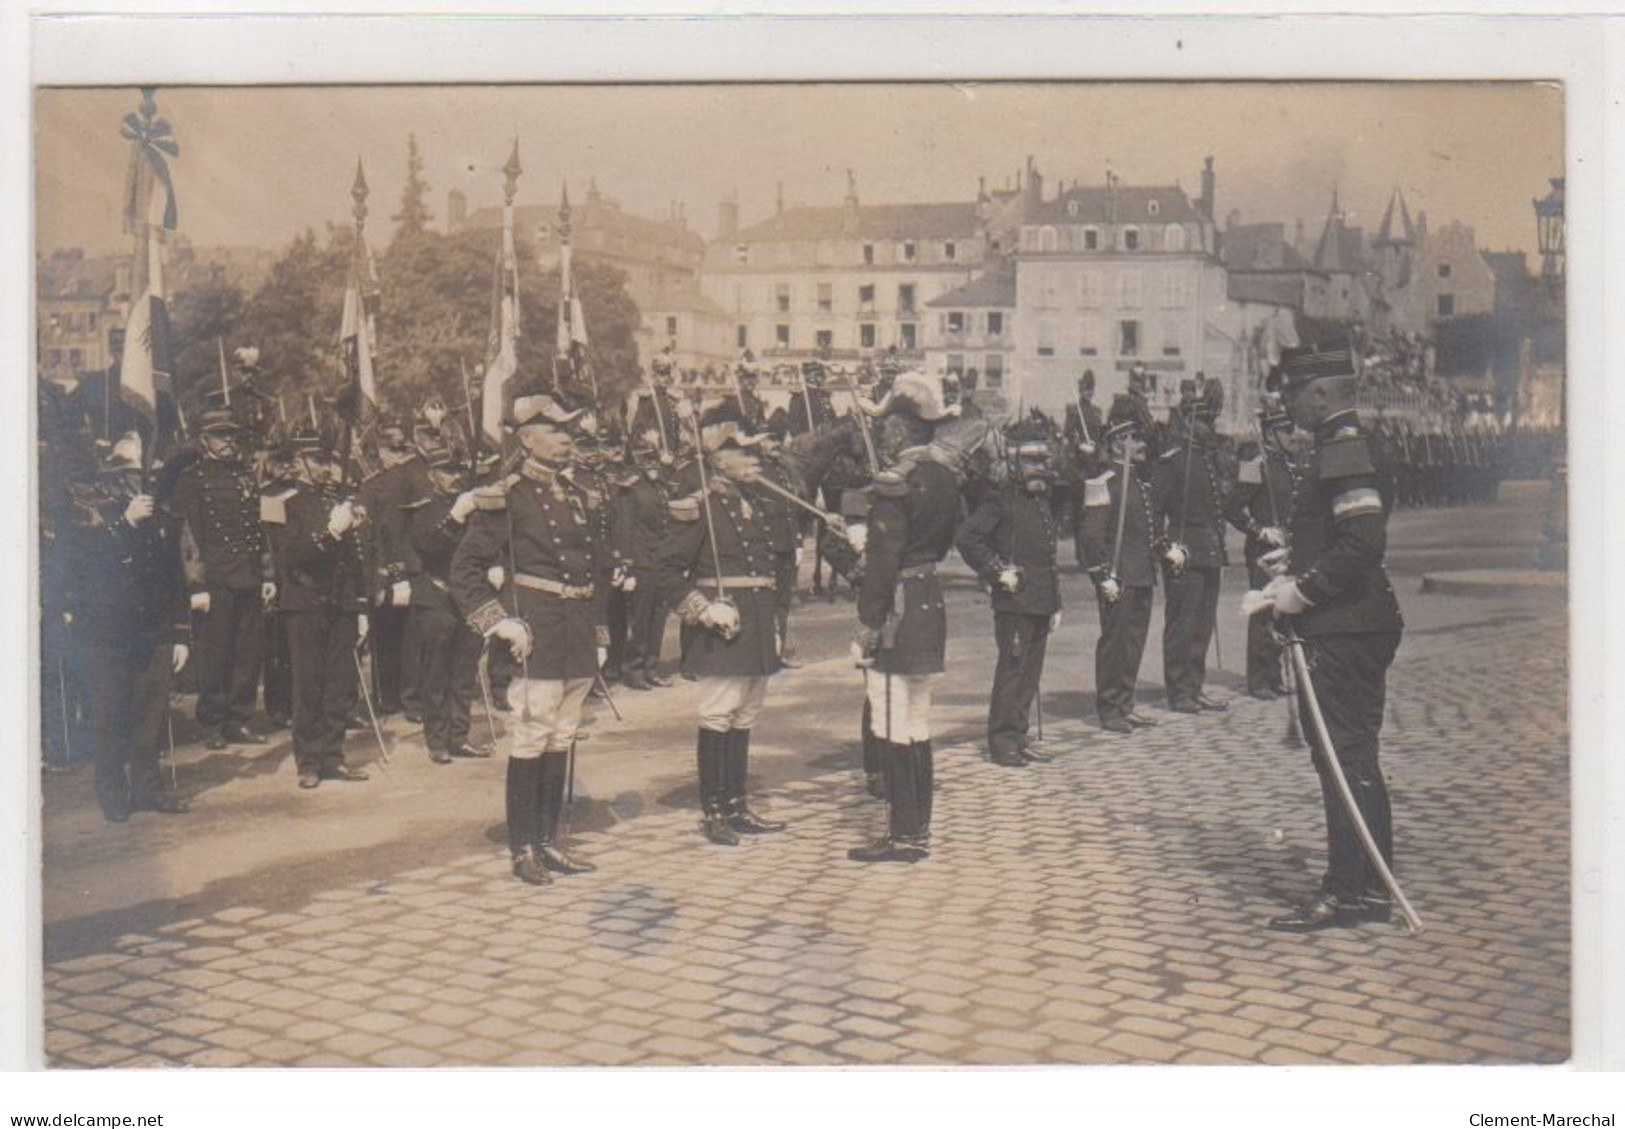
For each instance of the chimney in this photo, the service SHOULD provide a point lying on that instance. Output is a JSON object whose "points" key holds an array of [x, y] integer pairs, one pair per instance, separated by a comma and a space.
{"points": [[850, 224], [1206, 202], [456, 209], [728, 217], [1035, 183]]}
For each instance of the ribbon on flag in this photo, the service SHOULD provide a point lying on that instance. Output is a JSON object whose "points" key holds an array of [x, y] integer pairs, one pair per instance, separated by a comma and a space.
{"points": [[151, 139]]}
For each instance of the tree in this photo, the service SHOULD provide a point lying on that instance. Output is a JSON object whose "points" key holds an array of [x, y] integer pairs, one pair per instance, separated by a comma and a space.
{"points": [[294, 316], [412, 221], [199, 318]]}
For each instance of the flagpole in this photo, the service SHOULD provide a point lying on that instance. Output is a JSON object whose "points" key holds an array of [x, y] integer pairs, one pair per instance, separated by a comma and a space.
{"points": [[358, 193]]}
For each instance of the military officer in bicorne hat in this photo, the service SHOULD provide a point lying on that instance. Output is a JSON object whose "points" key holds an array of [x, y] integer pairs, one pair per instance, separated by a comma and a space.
{"points": [[902, 635], [540, 526], [319, 541], [1333, 593], [218, 498], [124, 591], [720, 541]]}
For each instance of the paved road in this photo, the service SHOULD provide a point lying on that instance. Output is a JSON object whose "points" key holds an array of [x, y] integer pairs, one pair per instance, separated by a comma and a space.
{"points": [[1102, 908]]}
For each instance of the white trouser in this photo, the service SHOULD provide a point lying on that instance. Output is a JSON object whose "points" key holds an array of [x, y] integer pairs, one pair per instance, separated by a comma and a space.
{"points": [[555, 715], [731, 703], [901, 714]]}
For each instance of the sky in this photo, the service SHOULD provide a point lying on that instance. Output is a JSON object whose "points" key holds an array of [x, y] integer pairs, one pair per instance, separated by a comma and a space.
{"points": [[260, 164]]}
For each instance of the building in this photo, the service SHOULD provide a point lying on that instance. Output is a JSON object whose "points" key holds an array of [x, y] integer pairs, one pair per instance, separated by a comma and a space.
{"points": [[1354, 288], [1264, 266], [80, 304], [1113, 276], [1429, 277], [694, 327], [657, 255], [851, 280], [970, 331]]}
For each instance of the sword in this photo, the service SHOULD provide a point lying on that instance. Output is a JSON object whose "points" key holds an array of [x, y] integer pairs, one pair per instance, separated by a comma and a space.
{"points": [[795, 499], [1122, 509], [377, 730], [1306, 686], [62, 694], [570, 784], [483, 668], [863, 424], [169, 723], [603, 688]]}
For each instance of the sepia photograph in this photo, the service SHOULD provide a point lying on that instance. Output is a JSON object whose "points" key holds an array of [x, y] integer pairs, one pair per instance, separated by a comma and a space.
{"points": [[841, 574]]}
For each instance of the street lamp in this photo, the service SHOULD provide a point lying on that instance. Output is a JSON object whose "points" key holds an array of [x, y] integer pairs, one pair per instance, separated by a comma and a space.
{"points": [[1549, 230]]}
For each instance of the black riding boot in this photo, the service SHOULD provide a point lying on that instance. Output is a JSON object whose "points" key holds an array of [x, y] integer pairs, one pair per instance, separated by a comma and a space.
{"points": [[550, 792], [874, 760], [902, 787], [713, 788], [523, 774], [740, 817], [924, 785]]}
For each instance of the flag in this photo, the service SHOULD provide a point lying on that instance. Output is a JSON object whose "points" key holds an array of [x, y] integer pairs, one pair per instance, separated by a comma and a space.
{"points": [[501, 355], [144, 366], [358, 331]]}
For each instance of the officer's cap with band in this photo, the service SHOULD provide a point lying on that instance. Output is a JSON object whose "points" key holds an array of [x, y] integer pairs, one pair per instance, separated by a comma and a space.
{"points": [[217, 417], [1304, 365], [725, 425], [1128, 417]]}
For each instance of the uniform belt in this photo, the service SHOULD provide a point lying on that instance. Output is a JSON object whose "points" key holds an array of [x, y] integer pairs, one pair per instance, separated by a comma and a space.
{"points": [[554, 587], [917, 572], [738, 582]]}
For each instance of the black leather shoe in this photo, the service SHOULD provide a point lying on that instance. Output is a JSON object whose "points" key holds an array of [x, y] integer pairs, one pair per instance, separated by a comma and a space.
{"points": [[116, 815], [242, 735], [215, 740], [1007, 758], [555, 859], [1184, 707], [1376, 907], [789, 662], [344, 772], [278, 721], [439, 756], [887, 849], [1027, 754], [528, 870], [1117, 725], [310, 778], [473, 752], [875, 783], [1212, 705], [500, 703], [1140, 721], [636, 681], [717, 830], [658, 682], [1323, 911], [162, 803], [413, 717], [747, 822], [1264, 694]]}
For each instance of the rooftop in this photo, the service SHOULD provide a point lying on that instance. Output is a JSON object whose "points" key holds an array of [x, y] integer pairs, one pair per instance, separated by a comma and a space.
{"points": [[867, 221], [994, 289], [1118, 203]]}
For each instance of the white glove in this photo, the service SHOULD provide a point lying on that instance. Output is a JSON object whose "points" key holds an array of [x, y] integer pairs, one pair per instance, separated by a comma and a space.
{"points": [[1273, 535], [1274, 562], [400, 593], [463, 506], [1288, 599], [630, 584], [178, 655], [603, 657], [1086, 449], [267, 592], [200, 602], [857, 536], [514, 633], [722, 618], [800, 552], [1008, 579], [139, 509], [361, 628], [1177, 557], [496, 577], [340, 518], [1055, 621], [1110, 590]]}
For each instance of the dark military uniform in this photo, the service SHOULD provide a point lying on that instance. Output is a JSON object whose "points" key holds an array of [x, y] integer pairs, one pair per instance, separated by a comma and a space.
{"points": [[219, 499], [1189, 495], [1350, 633], [1014, 527], [440, 646], [1083, 460], [277, 653], [125, 590], [1262, 500], [384, 496], [321, 582], [1124, 622], [784, 538], [641, 520]]}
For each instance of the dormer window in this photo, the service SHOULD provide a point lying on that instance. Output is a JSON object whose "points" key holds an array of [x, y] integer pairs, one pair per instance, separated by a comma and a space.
{"points": [[1174, 238], [1072, 207], [1048, 239], [1153, 207], [908, 250], [950, 251], [1091, 239], [741, 253]]}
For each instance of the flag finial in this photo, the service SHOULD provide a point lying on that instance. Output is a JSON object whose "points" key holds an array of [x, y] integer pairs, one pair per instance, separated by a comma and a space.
{"points": [[358, 193], [511, 170], [564, 212]]}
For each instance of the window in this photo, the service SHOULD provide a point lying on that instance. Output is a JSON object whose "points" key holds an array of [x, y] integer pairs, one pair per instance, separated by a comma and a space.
{"points": [[950, 251], [910, 337], [1174, 289], [1091, 290], [741, 253], [956, 363], [1046, 338], [781, 297], [995, 323], [741, 337], [671, 327], [53, 357], [869, 253], [90, 320], [1128, 290], [1173, 239], [1071, 207], [1091, 239], [993, 366], [826, 298], [824, 339], [1048, 240], [905, 298], [1153, 207], [1444, 270], [1447, 305], [955, 322], [908, 250], [1029, 239], [866, 298], [866, 335], [1089, 337], [781, 336], [1131, 239], [76, 359], [1128, 339], [739, 298]]}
